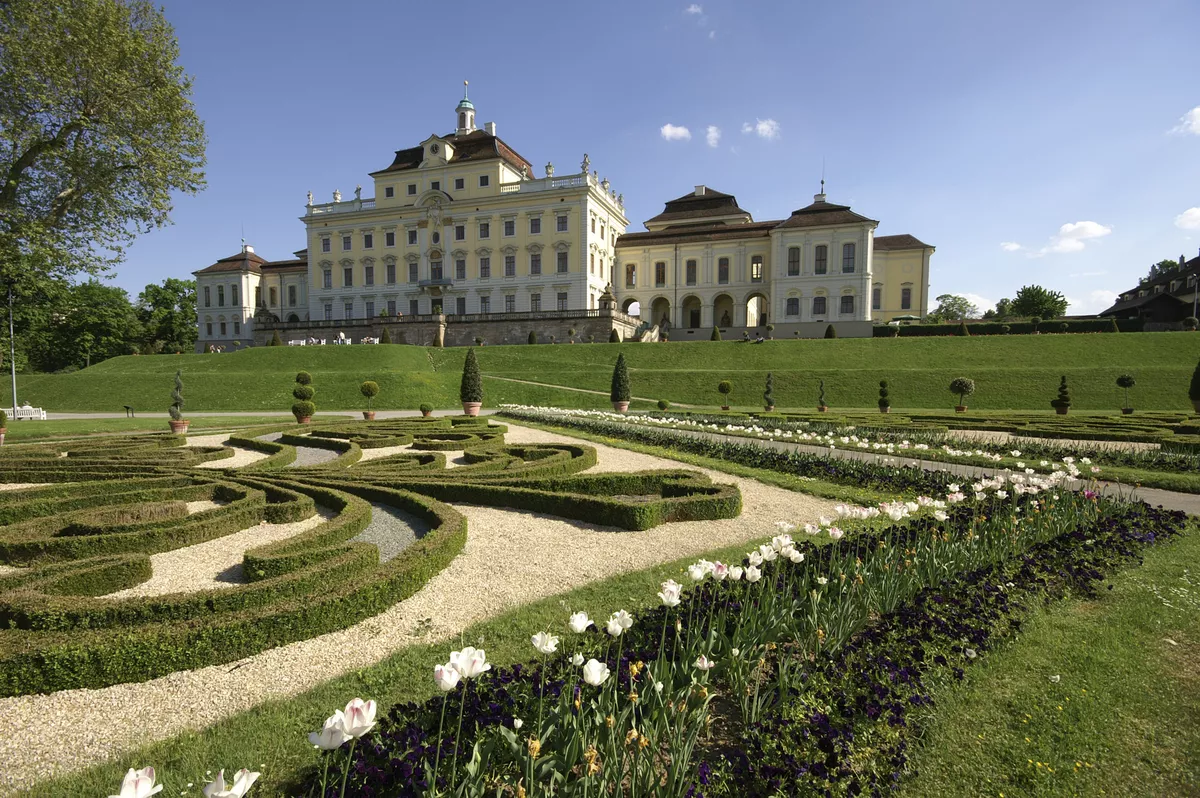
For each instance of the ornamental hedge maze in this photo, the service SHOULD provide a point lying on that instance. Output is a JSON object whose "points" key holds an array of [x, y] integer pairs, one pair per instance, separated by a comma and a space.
{"points": [[114, 503]]}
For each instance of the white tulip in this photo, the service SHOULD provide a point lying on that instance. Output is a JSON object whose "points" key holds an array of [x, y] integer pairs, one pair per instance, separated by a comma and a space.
{"points": [[243, 780], [138, 784], [579, 622], [595, 673], [518, 723], [470, 662], [735, 573], [445, 677], [754, 558], [545, 642], [753, 574], [696, 572], [835, 533], [359, 717], [822, 580], [768, 553], [576, 659], [332, 735], [703, 663], [720, 571], [670, 593]]}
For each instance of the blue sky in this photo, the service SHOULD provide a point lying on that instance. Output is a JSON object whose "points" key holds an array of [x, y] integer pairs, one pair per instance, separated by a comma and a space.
{"points": [[1056, 143]]}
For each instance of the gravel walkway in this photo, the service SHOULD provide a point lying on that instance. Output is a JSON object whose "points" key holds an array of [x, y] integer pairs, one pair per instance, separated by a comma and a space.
{"points": [[241, 457], [391, 530], [994, 436], [511, 558], [214, 563], [202, 505], [22, 485], [383, 451], [312, 456]]}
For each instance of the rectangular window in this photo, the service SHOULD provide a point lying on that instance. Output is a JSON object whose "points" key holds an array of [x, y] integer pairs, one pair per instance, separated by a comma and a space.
{"points": [[207, 297], [460, 305], [723, 270], [291, 296], [793, 261], [793, 306], [485, 268], [412, 238], [535, 226], [691, 272], [347, 243], [414, 307], [328, 311], [274, 294], [818, 306], [460, 232], [821, 260], [389, 239], [412, 272], [233, 295], [592, 263], [602, 230], [535, 302], [368, 240], [348, 310], [906, 299], [370, 310], [483, 181], [630, 275], [593, 224], [389, 192], [348, 277], [510, 227], [485, 229], [562, 300], [847, 259], [435, 270], [220, 296], [510, 265], [208, 329], [756, 269], [460, 269], [237, 327], [562, 223], [876, 298], [391, 274], [258, 296], [562, 263], [459, 184], [436, 185], [847, 305], [392, 307], [535, 263], [327, 278], [369, 276], [660, 274], [412, 189], [223, 333], [510, 303], [326, 245]]}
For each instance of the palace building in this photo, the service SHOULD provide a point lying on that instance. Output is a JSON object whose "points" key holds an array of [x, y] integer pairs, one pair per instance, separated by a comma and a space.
{"points": [[461, 242]]}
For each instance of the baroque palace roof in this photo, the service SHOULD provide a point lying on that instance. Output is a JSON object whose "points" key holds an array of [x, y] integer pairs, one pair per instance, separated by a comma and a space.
{"points": [[478, 145]]}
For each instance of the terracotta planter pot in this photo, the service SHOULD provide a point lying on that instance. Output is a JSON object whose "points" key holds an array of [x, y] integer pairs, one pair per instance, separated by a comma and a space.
{"points": [[823, 409], [885, 410], [1127, 411], [471, 408], [179, 427], [368, 415], [428, 413], [620, 407], [303, 419], [724, 407], [1062, 411], [769, 408], [960, 408]]}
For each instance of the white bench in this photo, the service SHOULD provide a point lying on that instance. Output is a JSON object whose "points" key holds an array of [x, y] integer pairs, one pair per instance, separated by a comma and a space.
{"points": [[297, 342], [26, 414]]}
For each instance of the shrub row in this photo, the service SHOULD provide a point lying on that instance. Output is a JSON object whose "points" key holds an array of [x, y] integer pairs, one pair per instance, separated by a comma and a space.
{"points": [[1013, 327]]}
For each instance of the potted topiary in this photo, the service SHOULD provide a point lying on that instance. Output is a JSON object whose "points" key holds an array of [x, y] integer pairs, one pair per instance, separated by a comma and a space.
{"points": [[179, 425], [964, 388], [716, 334], [1035, 321], [770, 330], [426, 409], [552, 339], [769, 394], [885, 404], [821, 406], [663, 404], [303, 408], [1063, 327], [725, 387], [619, 393], [1125, 382], [591, 339], [3, 426], [571, 335], [470, 391], [1190, 323], [478, 340], [1194, 389], [1063, 403], [370, 390]]}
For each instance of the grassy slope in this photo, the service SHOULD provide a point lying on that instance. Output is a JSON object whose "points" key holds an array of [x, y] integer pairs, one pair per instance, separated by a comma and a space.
{"points": [[1121, 720], [1017, 372]]}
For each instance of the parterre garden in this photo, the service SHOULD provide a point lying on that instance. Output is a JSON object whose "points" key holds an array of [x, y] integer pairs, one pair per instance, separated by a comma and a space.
{"points": [[813, 664]]}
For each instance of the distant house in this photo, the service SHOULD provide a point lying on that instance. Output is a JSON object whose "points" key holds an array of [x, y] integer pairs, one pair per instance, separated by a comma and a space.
{"points": [[1166, 296]]}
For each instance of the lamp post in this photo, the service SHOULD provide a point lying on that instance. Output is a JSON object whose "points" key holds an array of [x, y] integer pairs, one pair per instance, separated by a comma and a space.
{"points": [[12, 348]]}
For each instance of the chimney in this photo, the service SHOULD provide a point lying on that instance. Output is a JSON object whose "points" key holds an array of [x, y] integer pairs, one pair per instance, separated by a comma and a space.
{"points": [[490, 128], [701, 191]]}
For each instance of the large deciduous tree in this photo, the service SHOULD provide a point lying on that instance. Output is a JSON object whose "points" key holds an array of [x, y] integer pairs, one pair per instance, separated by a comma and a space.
{"points": [[1033, 300], [953, 307], [97, 132], [167, 314]]}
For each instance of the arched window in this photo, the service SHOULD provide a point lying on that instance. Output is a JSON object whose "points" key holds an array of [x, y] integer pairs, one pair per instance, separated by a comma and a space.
{"points": [[847, 258]]}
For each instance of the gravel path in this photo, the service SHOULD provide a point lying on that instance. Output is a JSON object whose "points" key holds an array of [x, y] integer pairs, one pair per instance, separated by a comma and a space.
{"points": [[22, 485], [383, 451], [202, 505], [994, 436], [241, 457], [391, 530], [311, 456], [511, 558], [214, 563]]}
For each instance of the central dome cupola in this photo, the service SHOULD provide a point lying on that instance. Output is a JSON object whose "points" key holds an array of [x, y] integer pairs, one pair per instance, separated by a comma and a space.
{"points": [[466, 114]]}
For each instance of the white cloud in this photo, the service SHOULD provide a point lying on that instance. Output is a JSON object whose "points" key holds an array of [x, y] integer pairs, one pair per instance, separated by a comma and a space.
{"points": [[1010, 246], [763, 128], [1189, 122], [712, 135], [675, 132], [983, 303], [1073, 237], [1093, 303], [712, 34], [693, 9], [1189, 219]]}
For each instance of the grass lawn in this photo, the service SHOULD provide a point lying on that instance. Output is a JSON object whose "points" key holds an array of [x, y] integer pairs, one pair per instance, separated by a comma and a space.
{"points": [[1123, 717], [22, 431], [1010, 372]]}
